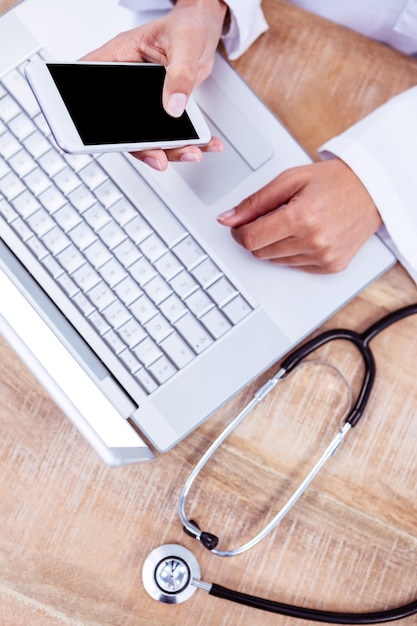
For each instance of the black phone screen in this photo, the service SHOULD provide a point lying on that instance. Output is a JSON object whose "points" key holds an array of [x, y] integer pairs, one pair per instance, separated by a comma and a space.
{"points": [[118, 103]]}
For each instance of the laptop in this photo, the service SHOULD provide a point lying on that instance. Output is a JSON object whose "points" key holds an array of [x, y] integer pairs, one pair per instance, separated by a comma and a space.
{"points": [[133, 307]]}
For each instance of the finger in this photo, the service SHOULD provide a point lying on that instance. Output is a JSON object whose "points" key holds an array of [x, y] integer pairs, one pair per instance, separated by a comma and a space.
{"points": [[124, 47], [180, 81], [274, 195], [267, 230], [300, 262], [156, 159]]}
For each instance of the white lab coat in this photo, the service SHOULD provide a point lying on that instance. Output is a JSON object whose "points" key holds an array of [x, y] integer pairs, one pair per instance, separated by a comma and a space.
{"points": [[382, 148]]}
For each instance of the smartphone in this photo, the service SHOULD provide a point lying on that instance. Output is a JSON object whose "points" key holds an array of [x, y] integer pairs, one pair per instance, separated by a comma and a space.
{"points": [[105, 107]]}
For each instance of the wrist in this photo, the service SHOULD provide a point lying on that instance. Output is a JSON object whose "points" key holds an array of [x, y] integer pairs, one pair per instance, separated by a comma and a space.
{"points": [[218, 8]]}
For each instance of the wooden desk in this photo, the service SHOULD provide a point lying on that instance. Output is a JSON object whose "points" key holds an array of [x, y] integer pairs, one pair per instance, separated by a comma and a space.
{"points": [[74, 533]]}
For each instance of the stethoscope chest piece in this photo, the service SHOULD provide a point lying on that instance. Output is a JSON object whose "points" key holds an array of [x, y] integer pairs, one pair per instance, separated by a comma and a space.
{"points": [[168, 574]]}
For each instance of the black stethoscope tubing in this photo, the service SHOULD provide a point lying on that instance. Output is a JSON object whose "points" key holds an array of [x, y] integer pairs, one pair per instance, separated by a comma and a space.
{"points": [[361, 341]]}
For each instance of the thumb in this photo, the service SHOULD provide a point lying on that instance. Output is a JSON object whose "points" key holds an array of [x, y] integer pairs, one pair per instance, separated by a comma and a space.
{"points": [[180, 80]]}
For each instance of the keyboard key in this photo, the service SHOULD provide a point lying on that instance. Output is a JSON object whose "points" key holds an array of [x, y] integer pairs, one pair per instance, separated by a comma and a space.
{"points": [[194, 333], [81, 198], [153, 247], [168, 265], [123, 211], [22, 126], [8, 108], [138, 229], [157, 289], [147, 352], [4, 167], [11, 186], [162, 369], [37, 181], [222, 291], [108, 193], [99, 323], [127, 253], [82, 236], [9, 145], [55, 240], [101, 296], [92, 175], [71, 259], [52, 199], [111, 234], [173, 308], [86, 277], [116, 344], [66, 180], [67, 217], [132, 333], [189, 252], [237, 309], [51, 162], [112, 272], [96, 215], [199, 303], [40, 222], [130, 360], [97, 254], [22, 163], [215, 322], [145, 379], [37, 247], [142, 271], [183, 284], [177, 350], [128, 290], [25, 204], [116, 314], [36, 144], [143, 309], [206, 273], [158, 328], [67, 285], [6, 210], [17, 84]]}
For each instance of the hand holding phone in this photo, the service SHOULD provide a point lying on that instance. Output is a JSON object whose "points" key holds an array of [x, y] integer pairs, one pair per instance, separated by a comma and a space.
{"points": [[105, 107]]}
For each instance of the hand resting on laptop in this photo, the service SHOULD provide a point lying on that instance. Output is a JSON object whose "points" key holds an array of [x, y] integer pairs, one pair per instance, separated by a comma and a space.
{"points": [[315, 217]]}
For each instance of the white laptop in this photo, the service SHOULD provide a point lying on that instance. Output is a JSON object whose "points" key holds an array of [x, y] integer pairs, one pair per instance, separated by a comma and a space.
{"points": [[142, 341]]}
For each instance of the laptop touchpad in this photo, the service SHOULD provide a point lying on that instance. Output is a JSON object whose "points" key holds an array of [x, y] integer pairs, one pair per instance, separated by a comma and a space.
{"points": [[245, 149]]}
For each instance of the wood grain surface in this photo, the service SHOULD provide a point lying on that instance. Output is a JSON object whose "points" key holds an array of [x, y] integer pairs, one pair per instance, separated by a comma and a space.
{"points": [[5, 5], [74, 533]]}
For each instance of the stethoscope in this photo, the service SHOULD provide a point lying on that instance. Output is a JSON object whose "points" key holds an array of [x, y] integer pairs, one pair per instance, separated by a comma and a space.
{"points": [[171, 573]]}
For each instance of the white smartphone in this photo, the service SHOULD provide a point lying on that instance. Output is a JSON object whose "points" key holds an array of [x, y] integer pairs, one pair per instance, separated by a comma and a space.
{"points": [[105, 107]]}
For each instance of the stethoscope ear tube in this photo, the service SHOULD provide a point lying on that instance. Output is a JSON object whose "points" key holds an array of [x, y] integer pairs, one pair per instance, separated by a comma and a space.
{"points": [[171, 575], [361, 343]]}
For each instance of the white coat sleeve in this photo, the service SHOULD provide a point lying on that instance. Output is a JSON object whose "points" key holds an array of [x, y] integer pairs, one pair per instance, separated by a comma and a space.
{"points": [[247, 21], [382, 151]]}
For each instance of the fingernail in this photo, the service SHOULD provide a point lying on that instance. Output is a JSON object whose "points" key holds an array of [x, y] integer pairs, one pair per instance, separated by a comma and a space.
{"points": [[153, 163], [176, 104], [190, 157], [226, 214]]}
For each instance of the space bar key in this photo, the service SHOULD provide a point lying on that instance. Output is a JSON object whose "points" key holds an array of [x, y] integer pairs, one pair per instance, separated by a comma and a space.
{"points": [[143, 197]]}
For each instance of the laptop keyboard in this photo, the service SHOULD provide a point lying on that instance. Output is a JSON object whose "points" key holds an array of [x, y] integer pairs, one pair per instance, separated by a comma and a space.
{"points": [[146, 287]]}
